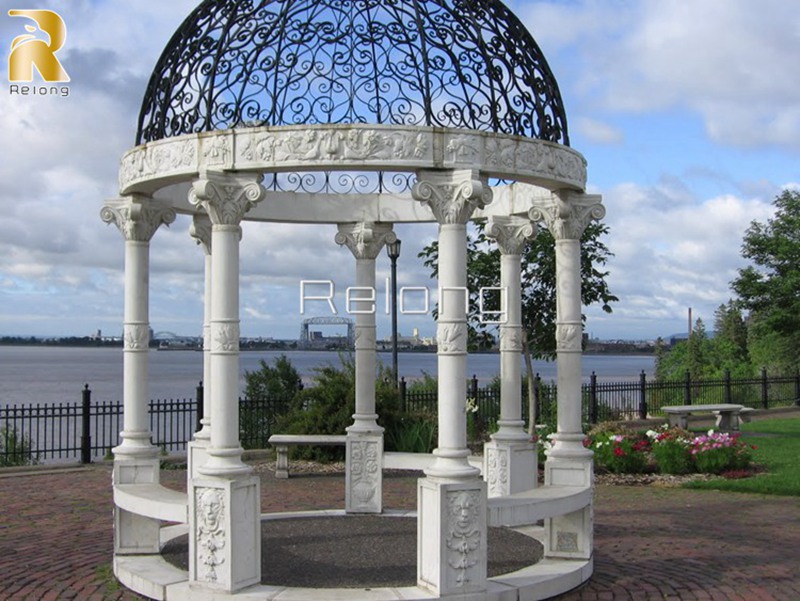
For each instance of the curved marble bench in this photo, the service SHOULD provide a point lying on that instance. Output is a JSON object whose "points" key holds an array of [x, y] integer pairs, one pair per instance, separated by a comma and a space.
{"points": [[153, 501]]}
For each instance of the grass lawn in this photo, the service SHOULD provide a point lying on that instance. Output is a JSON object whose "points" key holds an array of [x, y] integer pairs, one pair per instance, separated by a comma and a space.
{"points": [[778, 442]]}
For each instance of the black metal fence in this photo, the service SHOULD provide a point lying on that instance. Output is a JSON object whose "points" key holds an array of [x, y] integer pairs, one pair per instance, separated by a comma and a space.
{"points": [[88, 430]]}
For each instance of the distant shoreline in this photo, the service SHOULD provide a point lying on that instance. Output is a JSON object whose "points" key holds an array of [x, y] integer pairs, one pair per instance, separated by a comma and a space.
{"points": [[77, 342]]}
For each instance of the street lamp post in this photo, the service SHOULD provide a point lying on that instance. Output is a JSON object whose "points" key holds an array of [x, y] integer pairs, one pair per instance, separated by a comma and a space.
{"points": [[393, 250]]}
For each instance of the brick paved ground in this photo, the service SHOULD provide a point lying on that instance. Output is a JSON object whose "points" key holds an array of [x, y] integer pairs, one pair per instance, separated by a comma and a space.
{"points": [[651, 543]]}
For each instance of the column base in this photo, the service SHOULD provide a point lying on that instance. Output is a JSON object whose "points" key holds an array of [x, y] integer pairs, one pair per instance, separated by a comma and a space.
{"points": [[135, 446], [510, 467], [364, 479], [452, 465], [135, 534], [572, 535], [224, 463], [225, 533], [451, 536]]}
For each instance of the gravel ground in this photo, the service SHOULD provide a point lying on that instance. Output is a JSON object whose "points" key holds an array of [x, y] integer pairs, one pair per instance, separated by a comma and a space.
{"points": [[357, 552]]}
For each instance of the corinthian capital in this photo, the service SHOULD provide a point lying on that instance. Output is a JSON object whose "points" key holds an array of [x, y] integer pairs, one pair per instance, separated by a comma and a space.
{"points": [[200, 230], [452, 195], [226, 197], [137, 217], [365, 240], [567, 214], [510, 233]]}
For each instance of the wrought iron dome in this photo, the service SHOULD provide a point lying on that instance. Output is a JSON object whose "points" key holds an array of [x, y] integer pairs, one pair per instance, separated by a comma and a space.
{"points": [[467, 64]]}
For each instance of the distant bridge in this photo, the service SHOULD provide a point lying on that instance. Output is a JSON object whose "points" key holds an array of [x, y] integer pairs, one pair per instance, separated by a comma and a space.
{"points": [[305, 339], [173, 340]]}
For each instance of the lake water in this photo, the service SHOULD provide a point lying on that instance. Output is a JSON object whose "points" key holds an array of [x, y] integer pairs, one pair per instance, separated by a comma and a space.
{"points": [[34, 374]]}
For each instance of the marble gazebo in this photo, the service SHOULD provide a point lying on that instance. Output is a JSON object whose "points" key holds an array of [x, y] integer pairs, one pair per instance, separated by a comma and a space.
{"points": [[356, 115]]}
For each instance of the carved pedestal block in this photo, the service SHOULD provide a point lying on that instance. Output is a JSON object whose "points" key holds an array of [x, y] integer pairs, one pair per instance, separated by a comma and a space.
{"points": [[225, 533], [135, 534], [451, 536], [364, 480], [571, 535], [510, 467]]}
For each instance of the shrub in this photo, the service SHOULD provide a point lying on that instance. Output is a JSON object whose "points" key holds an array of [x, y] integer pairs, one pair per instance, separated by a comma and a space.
{"points": [[15, 448], [412, 433], [268, 393]]}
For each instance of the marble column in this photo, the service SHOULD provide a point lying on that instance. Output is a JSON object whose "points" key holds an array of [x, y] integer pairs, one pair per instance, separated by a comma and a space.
{"points": [[451, 523], [364, 480], [510, 458], [136, 460], [224, 498], [200, 230], [569, 463]]}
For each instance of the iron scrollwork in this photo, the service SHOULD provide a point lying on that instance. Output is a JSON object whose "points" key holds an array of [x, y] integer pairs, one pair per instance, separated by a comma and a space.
{"points": [[447, 63]]}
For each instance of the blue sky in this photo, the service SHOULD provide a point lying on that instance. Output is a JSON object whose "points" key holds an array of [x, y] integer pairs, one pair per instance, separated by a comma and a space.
{"points": [[687, 112]]}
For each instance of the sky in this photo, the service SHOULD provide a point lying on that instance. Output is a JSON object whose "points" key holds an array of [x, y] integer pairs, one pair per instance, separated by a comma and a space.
{"points": [[688, 114]]}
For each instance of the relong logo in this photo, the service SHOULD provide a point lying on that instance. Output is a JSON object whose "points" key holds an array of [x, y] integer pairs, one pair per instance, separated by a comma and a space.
{"points": [[31, 50]]}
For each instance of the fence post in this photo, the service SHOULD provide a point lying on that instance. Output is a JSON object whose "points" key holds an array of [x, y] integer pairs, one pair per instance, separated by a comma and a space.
{"points": [[473, 387], [797, 388], [687, 391], [86, 436], [403, 403], [728, 394], [199, 391], [642, 395], [593, 398], [537, 403], [765, 388]]}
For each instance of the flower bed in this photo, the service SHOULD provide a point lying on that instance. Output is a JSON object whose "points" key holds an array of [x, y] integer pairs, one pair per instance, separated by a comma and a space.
{"points": [[669, 451]]}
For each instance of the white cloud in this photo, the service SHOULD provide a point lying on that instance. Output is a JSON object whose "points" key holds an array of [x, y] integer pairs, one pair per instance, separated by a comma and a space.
{"points": [[670, 256], [597, 131], [730, 61]]}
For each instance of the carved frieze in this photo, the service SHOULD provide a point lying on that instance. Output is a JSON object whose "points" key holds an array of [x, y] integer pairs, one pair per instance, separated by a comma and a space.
{"points": [[463, 536], [159, 158], [217, 151], [211, 538], [365, 240], [338, 147], [137, 217]]}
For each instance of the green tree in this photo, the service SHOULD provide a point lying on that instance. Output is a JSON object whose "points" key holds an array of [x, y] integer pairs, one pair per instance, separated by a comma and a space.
{"points": [[769, 288], [281, 381], [730, 341], [695, 355]]}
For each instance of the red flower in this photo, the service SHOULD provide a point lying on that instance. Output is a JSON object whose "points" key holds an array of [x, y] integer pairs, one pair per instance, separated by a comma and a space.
{"points": [[619, 452]]}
